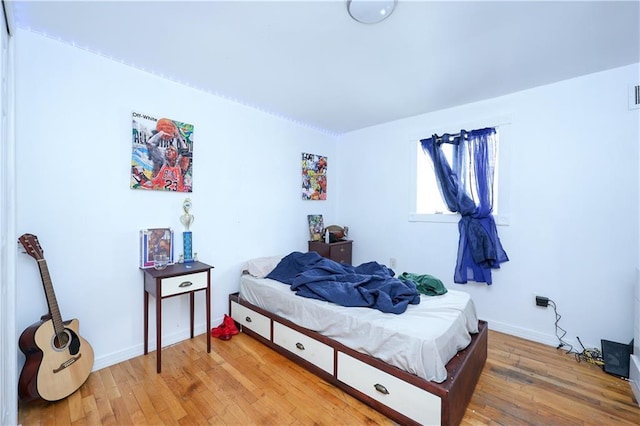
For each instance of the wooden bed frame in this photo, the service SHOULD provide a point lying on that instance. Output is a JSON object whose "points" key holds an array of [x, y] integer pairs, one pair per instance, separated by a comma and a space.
{"points": [[463, 370]]}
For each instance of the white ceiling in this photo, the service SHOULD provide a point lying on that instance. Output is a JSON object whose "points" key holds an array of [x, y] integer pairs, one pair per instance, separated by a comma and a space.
{"points": [[309, 62]]}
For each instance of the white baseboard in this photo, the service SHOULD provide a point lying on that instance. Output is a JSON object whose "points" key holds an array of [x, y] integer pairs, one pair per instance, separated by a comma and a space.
{"points": [[525, 333], [634, 376], [178, 336], [137, 350]]}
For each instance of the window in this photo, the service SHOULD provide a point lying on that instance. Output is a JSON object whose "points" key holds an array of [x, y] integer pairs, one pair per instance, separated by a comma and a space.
{"points": [[427, 203]]}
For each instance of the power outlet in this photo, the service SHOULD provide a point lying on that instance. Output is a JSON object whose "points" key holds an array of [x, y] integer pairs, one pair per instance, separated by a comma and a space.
{"points": [[542, 301], [393, 263]]}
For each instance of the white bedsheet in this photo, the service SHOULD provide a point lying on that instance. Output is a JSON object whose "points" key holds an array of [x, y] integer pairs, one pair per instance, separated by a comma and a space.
{"points": [[420, 341]]}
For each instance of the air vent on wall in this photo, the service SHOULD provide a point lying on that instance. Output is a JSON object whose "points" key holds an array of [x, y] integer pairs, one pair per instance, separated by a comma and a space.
{"points": [[634, 96]]}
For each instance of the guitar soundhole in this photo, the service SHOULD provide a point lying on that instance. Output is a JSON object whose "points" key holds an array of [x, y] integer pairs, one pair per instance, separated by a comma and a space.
{"points": [[61, 341]]}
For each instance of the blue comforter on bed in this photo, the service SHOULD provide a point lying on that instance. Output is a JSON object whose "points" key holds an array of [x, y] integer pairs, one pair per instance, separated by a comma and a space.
{"points": [[368, 285]]}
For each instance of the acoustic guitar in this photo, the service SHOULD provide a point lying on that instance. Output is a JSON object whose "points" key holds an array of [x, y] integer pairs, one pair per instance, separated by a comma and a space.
{"points": [[58, 360]]}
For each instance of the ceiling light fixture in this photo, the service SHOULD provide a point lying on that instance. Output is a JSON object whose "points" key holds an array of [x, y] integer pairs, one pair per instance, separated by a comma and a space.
{"points": [[370, 11]]}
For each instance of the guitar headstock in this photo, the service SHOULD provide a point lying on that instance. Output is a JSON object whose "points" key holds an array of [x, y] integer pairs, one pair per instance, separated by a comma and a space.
{"points": [[31, 245]]}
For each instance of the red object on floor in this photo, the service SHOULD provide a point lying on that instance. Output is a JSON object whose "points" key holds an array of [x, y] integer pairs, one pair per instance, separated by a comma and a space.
{"points": [[217, 331], [230, 325], [225, 330]]}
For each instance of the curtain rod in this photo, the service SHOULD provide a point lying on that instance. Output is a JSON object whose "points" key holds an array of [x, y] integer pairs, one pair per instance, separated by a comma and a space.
{"points": [[451, 136]]}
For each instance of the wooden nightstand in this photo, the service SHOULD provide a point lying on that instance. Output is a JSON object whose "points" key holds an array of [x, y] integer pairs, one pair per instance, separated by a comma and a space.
{"points": [[174, 280], [340, 251]]}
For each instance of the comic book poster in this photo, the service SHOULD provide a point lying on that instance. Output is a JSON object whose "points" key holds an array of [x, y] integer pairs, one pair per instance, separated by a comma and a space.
{"points": [[162, 156], [314, 177]]}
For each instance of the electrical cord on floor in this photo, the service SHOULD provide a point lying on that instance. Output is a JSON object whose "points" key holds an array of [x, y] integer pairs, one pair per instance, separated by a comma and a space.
{"points": [[592, 356], [560, 330]]}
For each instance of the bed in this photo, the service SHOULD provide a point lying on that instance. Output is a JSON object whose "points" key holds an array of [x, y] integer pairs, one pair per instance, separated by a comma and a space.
{"points": [[411, 372]]}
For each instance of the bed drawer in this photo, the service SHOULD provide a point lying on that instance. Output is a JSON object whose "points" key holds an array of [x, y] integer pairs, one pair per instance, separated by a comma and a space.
{"points": [[305, 347], [396, 394], [252, 320]]}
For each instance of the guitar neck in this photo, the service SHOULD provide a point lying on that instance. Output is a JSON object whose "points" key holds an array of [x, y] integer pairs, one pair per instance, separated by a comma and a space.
{"points": [[54, 311]]}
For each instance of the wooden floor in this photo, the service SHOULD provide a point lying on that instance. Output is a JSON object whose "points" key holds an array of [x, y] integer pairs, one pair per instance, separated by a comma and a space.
{"points": [[242, 382]]}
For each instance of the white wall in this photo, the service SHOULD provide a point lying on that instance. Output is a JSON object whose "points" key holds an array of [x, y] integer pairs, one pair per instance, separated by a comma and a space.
{"points": [[572, 163], [571, 170], [73, 136], [8, 334]]}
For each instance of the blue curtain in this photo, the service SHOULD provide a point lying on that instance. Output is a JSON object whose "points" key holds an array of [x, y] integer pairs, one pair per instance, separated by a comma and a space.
{"points": [[466, 186]]}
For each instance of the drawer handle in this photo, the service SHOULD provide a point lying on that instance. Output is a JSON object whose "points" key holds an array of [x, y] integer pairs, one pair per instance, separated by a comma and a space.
{"points": [[381, 389], [342, 249], [300, 346], [248, 319], [185, 284]]}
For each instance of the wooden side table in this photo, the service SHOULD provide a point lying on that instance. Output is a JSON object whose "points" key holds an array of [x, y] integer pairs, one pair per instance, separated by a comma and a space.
{"points": [[339, 251], [175, 280]]}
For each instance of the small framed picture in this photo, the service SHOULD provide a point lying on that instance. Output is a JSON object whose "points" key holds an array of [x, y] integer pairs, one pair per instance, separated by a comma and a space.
{"points": [[155, 241], [316, 227]]}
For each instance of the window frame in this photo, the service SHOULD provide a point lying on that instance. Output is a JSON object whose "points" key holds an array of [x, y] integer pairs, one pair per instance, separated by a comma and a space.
{"points": [[504, 143]]}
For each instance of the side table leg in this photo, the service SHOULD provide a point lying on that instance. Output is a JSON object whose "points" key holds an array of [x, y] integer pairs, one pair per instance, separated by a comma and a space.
{"points": [[208, 313], [146, 322], [158, 333], [191, 297]]}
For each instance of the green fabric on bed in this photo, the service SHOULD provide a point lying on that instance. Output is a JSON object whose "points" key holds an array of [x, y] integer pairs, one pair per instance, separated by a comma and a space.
{"points": [[425, 283]]}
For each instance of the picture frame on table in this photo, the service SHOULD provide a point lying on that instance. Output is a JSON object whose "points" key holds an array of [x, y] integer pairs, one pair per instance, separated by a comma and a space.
{"points": [[316, 227], [155, 241]]}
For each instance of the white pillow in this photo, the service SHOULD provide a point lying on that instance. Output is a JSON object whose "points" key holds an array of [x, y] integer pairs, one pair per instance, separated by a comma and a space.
{"points": [[261, 266]]}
